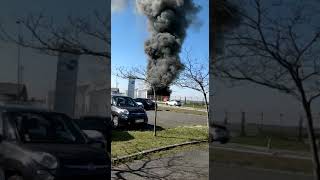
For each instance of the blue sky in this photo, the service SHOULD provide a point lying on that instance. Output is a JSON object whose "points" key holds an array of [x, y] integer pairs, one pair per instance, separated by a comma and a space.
{"points": [[129, 31]]}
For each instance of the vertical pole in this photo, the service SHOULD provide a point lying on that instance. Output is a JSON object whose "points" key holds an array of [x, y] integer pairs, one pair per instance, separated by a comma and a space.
{"points": [[261, 122], [243, 122], [300, 127], [19, 62], [226, 117], [155, 112], [280, 122]]}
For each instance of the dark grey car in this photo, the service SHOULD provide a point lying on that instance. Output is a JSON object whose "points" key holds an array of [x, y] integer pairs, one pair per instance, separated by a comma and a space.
{"points": [[42, 145], [125, 111]]}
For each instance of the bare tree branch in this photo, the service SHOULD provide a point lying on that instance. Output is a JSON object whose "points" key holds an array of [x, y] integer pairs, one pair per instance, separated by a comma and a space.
{"points": [[73, 37]]}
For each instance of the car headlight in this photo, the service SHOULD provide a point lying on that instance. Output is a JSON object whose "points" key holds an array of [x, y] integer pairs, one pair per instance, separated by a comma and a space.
{"points": [[46, 160], [124, 111]]}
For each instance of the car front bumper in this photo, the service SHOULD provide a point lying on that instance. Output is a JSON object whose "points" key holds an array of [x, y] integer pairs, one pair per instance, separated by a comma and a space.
{"points": [[133, 119]]}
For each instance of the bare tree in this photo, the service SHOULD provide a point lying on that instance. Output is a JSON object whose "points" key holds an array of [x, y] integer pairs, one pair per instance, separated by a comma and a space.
{"points": [[196, 77], [77, 35], [140, 74], [277, 53]]}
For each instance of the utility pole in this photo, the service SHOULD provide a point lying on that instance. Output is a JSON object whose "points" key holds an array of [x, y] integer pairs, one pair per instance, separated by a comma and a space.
{"points": [[18, 22]]}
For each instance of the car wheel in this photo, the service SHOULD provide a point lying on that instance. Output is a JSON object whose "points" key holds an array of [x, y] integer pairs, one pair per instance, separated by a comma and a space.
{"points": [[145, 125], [224, 141], [15, 177], [115, 120]]}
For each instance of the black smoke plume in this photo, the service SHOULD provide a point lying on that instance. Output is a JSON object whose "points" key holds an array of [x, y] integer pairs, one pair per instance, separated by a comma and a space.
{"points": [[168, 21], [160, 91]]}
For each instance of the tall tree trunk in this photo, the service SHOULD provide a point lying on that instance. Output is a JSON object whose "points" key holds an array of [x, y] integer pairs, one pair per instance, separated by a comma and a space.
{"points": [[155, 112], [207, 104], [207, 107], [312, 139], [311, 135]]}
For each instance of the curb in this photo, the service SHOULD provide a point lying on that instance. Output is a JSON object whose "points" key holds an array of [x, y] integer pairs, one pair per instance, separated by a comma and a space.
{"points": [[145, 152]]}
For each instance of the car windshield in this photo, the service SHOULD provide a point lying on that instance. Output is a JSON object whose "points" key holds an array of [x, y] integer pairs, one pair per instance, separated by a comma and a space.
{"points": [[46, 128], [149, 101], [124, 102]]}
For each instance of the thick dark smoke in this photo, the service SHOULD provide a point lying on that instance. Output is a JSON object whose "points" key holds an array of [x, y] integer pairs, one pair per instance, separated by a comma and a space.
{"points": [[168, 21], [160, 91]]}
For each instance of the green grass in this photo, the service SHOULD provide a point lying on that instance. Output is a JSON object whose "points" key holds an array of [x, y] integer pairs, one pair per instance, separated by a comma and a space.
{"points": [[261, 161], [276, 142], [129, 142], [184, 111]]}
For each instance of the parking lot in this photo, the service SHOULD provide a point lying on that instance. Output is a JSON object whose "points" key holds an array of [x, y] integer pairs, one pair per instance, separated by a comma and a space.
{"points": [[167, 119]]}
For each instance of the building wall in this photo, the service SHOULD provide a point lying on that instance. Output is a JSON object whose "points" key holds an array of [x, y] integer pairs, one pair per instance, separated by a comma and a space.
{"points": [[4, 98], [131, 88]]}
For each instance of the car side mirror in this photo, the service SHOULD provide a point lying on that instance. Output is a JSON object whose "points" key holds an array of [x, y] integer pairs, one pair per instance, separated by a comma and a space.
{"points": [[96, 139], [219, 134]]}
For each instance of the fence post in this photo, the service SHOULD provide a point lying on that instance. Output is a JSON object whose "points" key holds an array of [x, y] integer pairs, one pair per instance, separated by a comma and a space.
{"points": [[243, 122], [300, 127], [261, 122], [269, 142], [225, 117], [280, 122]]}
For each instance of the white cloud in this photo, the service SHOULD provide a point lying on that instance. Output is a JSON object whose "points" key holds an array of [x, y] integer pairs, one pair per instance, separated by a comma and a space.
{"points": [[119, 5]]}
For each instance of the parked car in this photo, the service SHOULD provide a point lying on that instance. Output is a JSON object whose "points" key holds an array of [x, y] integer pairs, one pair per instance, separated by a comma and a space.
{"points": [[101, 124], [219, 133], [147, 103], [174, 103], [125, 111], [140, 104], [41, 145]]}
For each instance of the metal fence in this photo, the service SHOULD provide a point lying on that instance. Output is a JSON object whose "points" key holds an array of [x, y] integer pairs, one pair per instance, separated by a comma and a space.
{"points": [[263, 122], [184, 99]]}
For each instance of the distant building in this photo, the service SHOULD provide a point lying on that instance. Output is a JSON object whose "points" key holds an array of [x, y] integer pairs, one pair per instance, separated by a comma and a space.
{"points": [[66, 83], [90, 100], [13, 92], [131, 88], [141, 93]]}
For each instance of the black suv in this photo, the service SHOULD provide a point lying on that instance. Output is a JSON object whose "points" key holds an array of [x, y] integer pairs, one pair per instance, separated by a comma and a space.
{"points": [[42, 145], [147, 103], [125, 111]]}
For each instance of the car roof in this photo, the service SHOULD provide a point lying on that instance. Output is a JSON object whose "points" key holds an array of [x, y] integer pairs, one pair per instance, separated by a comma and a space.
{"points": [[121, 96], [22, 108], [93, 117]]}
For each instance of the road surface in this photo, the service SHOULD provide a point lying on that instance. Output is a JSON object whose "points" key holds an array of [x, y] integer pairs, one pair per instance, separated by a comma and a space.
{"points": [[227, 172], [186, 165], [194, 164], [167, 119]]}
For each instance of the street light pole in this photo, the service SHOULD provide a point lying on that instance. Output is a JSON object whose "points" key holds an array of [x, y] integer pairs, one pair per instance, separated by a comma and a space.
{"points": [[18, 22]]}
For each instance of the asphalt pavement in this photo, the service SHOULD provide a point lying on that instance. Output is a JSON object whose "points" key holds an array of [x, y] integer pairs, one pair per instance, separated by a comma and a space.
{"points": [[194, 164], [185, 165], [229, 172], [167, 119]]}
